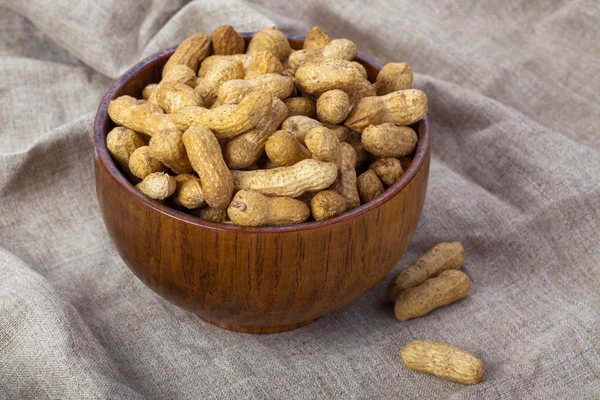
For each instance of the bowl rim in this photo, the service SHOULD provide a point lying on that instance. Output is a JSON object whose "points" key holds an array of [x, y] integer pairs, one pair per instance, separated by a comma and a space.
{"points": [[103, 157]]}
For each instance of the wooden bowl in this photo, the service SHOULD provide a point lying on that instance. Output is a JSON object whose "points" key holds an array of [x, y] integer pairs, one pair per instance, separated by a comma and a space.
{"points": [[255, 280]]}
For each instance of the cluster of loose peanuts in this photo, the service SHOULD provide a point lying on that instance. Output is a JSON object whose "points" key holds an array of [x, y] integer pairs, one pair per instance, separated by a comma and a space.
{"points": [[271, 136]]}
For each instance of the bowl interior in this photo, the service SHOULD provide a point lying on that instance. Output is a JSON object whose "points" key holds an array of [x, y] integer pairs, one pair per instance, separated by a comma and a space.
{"points": [[149, 71]]}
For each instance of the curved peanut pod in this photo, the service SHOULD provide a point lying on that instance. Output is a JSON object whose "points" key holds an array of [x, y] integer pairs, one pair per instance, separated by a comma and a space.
{"points": [[250, 208], [389, 140], [443, 360], [212, 62], [226, 40], [317, 77], [262, 63], [271, 40], [204, 152], [157, 185], [228, 120], [148, 90], [441, 257], [404, 107], [333, 106], [121, 142], [346, 184], [369, 186], [142, 164], [324, 145], [327, 204], [394, 77], [284, 149], [235, 90], [182, 74], [173, 96], [300, 106], [337, 49], [446, 288], [224, 71], [139, 115], [307, 175], [167, 147], [244, 150], [317, 37], [300, 125], [188, 193], [388, 170], [190, 52]]}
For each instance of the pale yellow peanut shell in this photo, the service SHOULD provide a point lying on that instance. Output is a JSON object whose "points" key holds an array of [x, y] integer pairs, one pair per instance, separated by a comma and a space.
{"points": [[337, 49], [283, 148], [235, 90], [213, 62], [302, 106], [225, 40], [188, 193], [167, 147], [227, 120], [327, 204], [388, 170], [394, 77], [142, 164], [333, 106], [369, 186], [173, 96], [251, 208], [205, 155], [363, 89], [225, 70], [148, 90], [121, 142], [317, 37], [271, 40], [446, 288], [246, 149], [404, 107], [157, 185], [443, 360], [324, 145], [300, 125], [182, 74], [190, 52], [346, 184], [262, 63], [317, 77], [389, 140], [292, 181], [139, 115], [361, 69], [441, 257]]}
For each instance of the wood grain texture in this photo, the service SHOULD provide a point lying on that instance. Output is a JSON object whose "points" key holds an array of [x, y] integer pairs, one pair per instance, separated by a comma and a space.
{"points": [[255, 280]]}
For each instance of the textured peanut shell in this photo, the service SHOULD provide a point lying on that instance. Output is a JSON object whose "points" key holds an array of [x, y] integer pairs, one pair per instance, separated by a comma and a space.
{"points": [[446, 288], [211, 214], [139, 115], [167, 147], [142, 164], [324, 145], [227, 120], [361, 69], [190, 52], [346, 184], [443, 360], [327, 204], [369, 186], [302, 106], [148, 90], [225, 70], [262, 63], [340, 131], [337, 49], [283, 148], [362, 90], [212, 62], [205, 156], [388, 170], [317, 37], [441, 257], [394, 77], [333, 106], [271, 40], [317, 77], [299, 126], [404, 107], [173, 96], [307, 175], [246, 149], [182, 74], [121, 142], [157, 185], [188, 193], [226, 40], [250, 208], [389, 140], [235, 90]]}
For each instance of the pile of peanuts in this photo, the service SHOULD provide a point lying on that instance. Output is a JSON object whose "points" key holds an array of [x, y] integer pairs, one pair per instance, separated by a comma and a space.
{"points": [[271, 136]]}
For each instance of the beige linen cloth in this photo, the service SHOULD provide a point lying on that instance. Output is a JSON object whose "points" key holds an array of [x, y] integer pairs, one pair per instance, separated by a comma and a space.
{"points": [[515, 109]]}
